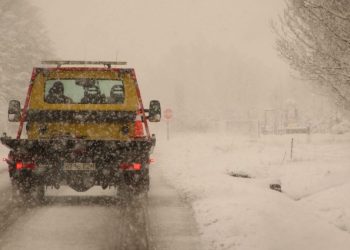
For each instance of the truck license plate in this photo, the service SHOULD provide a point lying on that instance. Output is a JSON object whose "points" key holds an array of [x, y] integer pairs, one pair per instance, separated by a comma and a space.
{"points": [[79, 166]]}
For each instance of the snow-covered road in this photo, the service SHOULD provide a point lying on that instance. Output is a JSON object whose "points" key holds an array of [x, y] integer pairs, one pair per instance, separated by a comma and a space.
{"points": [[97, 220]]}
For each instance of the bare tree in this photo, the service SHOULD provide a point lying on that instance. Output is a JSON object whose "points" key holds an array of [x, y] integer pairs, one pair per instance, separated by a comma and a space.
{"points": [[314, 37], [23, 43]]}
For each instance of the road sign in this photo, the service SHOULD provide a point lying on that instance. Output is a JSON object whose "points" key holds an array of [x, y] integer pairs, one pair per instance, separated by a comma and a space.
{"points": [[168, 114]]}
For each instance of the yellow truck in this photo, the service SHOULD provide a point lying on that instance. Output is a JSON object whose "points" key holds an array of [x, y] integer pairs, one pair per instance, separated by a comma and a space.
{"points": [[86, 125]]}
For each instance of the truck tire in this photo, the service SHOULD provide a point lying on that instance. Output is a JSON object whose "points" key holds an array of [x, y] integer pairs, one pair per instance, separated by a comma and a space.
{"points": [[124, 192], [16, 195], [19, 192], [28, 192], [143, 183], [38, 194]]}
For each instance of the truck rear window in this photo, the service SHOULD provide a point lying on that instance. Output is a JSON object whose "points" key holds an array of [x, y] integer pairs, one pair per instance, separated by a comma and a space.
{"points": [[84, 91]]}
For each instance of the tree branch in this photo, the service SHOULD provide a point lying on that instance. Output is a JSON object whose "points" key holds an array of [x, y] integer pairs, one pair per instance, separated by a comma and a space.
{"points": [[338, 15]]}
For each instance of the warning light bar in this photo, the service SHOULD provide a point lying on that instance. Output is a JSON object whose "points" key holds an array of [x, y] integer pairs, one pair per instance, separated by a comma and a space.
{"points": [[59, 63]]}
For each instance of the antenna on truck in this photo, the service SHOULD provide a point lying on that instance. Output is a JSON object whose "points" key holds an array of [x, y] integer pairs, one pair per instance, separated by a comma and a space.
{"points": [[59, 63]]}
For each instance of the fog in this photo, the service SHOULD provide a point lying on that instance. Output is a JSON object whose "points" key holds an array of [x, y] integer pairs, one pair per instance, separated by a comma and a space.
{"points": [[203, 59], [253, 158]]}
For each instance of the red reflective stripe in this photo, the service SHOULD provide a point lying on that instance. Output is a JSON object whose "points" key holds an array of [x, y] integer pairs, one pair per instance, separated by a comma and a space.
{"points": [[29, 165], [24, 112], [21, 165], [126, 166], [141, 104], [130, 166], [138, 129]]}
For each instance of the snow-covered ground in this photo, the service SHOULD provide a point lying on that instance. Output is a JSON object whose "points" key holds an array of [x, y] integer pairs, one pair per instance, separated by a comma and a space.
{"points": [[312, 212]]}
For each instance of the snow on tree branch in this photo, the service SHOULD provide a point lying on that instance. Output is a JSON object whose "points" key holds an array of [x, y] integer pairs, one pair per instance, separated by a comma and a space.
{"points": [[314, 38]]}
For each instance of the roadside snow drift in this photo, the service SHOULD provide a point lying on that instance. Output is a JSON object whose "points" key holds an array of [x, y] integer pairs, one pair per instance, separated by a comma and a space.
{"points": [[311, 212]]}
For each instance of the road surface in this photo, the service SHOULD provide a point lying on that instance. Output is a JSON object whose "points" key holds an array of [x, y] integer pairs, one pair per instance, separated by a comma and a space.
{"points": [[98, 220]]}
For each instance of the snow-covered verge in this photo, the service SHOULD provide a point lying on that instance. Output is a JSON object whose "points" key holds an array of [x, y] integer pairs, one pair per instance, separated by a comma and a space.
{"points": [[4, 177], [312, 212]]}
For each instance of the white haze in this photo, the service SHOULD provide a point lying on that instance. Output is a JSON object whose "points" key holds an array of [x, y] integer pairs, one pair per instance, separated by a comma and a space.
{"points": [[205, 59]]}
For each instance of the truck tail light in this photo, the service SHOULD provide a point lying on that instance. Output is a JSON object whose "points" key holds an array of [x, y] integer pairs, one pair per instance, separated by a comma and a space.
{"points": [[130, 166], [137, 166], [26, 165]]}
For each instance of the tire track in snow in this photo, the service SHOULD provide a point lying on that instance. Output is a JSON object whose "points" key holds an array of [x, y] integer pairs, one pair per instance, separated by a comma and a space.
{"points": [[3, 170], [10, 214], [130, 218], [320, 191], [134, 226]]}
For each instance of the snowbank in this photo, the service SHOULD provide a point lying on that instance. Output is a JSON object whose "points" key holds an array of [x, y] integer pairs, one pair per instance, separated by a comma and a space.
{"points": [[312, 212]]}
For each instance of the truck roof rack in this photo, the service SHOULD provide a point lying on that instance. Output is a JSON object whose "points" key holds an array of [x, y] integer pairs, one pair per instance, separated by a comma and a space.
{"points": [[59, 63]]}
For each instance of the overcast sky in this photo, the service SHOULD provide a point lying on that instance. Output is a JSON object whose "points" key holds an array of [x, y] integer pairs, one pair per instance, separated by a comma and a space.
{"points": [[135, 28], [231, 37]]}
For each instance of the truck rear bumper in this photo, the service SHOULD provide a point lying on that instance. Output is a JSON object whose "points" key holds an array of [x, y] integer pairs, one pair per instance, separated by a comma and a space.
{"points": [[79, 150], [59, 161]]}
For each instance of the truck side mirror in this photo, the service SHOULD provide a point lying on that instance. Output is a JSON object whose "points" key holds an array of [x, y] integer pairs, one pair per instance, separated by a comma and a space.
{"points": [[14, 111], [154, 114]]}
